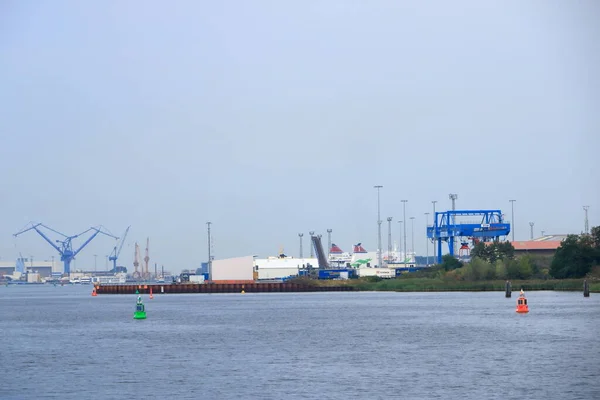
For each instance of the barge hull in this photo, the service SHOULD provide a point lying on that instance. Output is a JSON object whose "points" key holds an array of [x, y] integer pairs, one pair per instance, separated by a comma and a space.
{"points": [[218, 288]]}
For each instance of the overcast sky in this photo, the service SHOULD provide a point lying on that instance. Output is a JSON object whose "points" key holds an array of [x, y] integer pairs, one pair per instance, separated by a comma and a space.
{"points": [[270, 118]]}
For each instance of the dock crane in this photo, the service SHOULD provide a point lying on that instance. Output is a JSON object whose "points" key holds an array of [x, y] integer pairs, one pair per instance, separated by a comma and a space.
{"points": [[136, 262], [490, 227], [67, 254], [146, 273], [115, 253]]}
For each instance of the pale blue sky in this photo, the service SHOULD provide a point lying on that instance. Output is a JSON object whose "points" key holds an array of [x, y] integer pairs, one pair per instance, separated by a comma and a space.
{"points": [[270, 118]]}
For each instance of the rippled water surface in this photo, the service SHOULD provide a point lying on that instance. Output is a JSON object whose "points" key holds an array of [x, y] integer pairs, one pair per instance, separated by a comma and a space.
{"points": [[62, 343]]}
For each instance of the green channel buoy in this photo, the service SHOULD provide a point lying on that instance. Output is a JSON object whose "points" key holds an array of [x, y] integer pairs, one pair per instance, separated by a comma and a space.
{"points": [[140, 309]]}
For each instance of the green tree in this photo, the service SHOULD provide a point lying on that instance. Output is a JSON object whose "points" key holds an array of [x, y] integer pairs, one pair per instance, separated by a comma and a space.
{"points": [[595, 233], [574, 257], [525, 268], [595, 237], [481, 251], [479, 269], [512, 269], [506, 250], [493, 251], [449, 262], [500, 269]]}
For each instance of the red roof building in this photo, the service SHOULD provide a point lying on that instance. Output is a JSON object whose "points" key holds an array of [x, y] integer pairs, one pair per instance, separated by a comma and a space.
{"points": [[529, 245], [542, 246]]}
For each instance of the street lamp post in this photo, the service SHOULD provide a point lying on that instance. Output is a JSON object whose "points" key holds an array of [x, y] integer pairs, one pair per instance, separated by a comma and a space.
{"points": [[312, 250], [412, 233], [426, 240], [404, 226], [400, 242], [389, 252], [210, 275], [512, 218], [531, 233], [380, 256], [434, 238], [300, 236]]}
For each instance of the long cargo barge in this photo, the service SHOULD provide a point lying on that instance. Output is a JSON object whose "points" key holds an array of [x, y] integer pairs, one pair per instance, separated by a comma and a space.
{"points": [[218, 288]]}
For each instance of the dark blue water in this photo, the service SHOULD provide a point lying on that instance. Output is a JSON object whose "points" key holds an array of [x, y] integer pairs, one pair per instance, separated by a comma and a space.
{"points": [[61, 343]]}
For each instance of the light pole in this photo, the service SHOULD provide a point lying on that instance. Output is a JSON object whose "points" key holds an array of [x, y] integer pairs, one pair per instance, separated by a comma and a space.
{"points": [[300, 236], [96, 263], [434, 238], [512, 218], [210, 275], [329, 242], [380, 256], [312, 254], [426, 240], [400, 242], [531, 234], [389, 253], [404, 226], [412, 233], [453, 197]]}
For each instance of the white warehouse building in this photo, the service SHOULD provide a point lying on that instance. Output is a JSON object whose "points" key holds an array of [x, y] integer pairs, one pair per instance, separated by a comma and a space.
{"points": [[277, 268]]}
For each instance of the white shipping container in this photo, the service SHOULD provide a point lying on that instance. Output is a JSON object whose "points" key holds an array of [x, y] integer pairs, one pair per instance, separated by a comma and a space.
{"points": [[380, 272]]}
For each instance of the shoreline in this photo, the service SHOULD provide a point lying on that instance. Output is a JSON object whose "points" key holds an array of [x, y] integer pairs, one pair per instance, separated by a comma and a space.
{"points": [[410, 284]]}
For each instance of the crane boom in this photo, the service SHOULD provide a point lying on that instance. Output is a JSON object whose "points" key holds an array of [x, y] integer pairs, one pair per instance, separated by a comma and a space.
{"points": [[123, 241], [116, 252], [66, 249], [34, 227]]}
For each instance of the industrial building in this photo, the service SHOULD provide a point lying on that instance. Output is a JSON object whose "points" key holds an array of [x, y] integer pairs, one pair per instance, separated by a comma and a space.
{"points": [[281, 267], [233, 269], [542, 246], [45, 269]]}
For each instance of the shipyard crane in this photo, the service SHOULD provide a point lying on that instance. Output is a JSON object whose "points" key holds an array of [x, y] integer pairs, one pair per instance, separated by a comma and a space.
{"points": [[136, 262], [115, 253], [65, 249], [146, 273]]}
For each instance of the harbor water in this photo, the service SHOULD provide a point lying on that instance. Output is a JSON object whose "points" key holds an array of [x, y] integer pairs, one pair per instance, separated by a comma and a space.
{"points": [[62, 343]]}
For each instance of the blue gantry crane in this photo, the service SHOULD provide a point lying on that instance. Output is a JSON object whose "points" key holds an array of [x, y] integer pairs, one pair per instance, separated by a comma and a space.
{"points": [[67, 254], [445, 228], [115, 253]]}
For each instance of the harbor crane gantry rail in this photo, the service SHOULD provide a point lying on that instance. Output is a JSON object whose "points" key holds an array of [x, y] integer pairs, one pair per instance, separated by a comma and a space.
{"points": [[445, 228], [67, 254]]}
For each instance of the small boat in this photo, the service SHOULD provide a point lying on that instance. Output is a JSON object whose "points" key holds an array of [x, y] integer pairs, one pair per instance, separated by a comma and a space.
{"points": [[522, 306], [140, 309]]}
